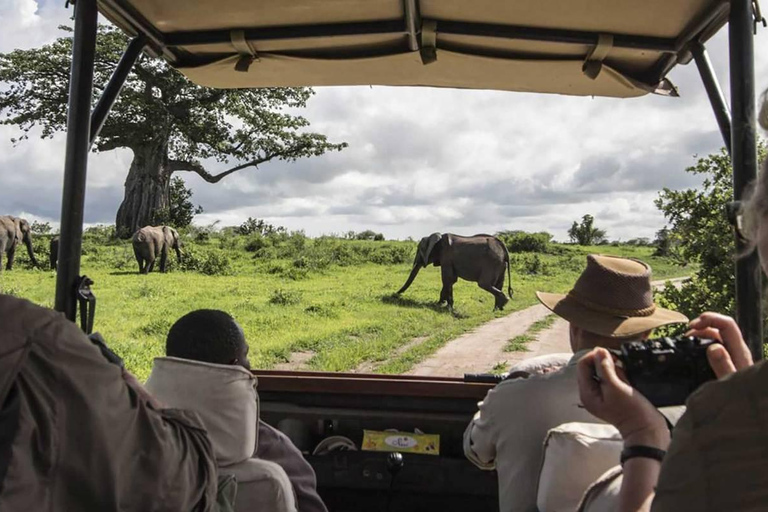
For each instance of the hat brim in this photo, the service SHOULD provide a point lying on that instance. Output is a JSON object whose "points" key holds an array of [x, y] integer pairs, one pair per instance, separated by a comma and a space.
{"points": [[605, 324]]}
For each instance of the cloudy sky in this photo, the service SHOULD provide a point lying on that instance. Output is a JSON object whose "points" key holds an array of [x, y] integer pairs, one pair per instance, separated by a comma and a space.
{"points": [[420, 160]]}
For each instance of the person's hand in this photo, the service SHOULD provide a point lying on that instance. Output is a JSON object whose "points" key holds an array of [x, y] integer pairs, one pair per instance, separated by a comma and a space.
{"points": [[134, 384], [605, 394], [733, 354]]}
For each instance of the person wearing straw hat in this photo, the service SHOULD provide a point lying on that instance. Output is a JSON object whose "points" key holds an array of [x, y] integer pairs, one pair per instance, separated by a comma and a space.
{"points": [[610, 303]]}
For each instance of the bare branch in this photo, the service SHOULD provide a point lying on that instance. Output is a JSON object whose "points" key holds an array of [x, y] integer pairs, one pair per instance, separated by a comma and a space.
{"points": [[197, 168]]}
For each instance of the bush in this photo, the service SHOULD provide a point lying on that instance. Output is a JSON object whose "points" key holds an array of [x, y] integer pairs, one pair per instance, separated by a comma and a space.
{"points": [[211, 263], [259, 226], [520, 241], [282, 297]]}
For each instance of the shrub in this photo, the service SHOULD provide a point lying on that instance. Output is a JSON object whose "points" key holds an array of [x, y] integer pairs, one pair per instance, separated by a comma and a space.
{"points": [[211, 262], [521, 241], [259, 226], [282, 297]]}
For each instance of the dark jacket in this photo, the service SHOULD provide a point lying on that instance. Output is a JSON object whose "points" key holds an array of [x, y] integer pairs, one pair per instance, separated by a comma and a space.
{"points": [[74, 436]]}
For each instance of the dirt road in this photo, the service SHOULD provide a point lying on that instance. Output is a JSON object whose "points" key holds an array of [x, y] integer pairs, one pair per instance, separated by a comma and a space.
{"points": [[478, 351]]}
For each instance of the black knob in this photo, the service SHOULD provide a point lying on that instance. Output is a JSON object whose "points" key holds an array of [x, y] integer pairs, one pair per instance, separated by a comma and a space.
{"points": [[394, 463]]}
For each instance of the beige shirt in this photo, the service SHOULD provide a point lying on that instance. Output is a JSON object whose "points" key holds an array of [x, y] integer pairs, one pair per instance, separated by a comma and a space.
{"points": [[508, 431]]}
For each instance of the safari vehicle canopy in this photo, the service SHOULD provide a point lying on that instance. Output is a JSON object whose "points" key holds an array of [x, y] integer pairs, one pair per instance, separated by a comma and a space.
{"points": [[616, 48]]}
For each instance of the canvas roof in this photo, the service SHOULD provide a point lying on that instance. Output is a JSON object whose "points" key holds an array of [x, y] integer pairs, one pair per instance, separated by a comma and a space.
{"points": [[619, 48]]}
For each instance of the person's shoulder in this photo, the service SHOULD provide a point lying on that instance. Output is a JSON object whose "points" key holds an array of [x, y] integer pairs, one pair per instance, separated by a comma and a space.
{"points": [[533, 384]]}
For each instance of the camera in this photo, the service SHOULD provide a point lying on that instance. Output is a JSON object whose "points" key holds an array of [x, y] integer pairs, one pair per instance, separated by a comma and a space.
{"points": [[666, 370]]}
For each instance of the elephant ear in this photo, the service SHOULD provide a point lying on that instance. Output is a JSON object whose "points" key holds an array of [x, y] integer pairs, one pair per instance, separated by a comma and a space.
{"points": [[168, 235], [431, 242], [17, 225]]}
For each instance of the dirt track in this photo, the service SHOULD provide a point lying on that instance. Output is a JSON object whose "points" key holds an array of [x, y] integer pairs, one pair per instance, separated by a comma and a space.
{"points": [[480, 350]]}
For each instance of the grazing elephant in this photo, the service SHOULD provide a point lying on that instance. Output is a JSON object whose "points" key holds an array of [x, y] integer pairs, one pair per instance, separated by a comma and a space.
{"points": [[152, 241], [479, 258], [53, 253], [12, 231]]}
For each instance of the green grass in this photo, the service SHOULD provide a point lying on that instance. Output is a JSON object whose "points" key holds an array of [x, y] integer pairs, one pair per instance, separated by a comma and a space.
{"points": [[343, 310], [519, 343]]}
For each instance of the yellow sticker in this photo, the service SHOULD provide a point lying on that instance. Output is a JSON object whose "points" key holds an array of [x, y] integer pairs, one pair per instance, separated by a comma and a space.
{"points": [[405, 442]]}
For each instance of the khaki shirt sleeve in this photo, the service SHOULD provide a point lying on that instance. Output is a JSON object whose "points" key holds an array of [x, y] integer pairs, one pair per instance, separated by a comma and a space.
{"points": [[480, 436]]}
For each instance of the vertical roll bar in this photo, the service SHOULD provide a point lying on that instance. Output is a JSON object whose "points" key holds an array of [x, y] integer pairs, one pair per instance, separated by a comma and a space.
{"points": [[76, 160], [714, 93], [744, 159]]}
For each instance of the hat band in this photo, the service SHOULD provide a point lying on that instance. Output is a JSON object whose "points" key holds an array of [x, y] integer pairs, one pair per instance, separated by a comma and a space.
{"points": [[611, 311]]}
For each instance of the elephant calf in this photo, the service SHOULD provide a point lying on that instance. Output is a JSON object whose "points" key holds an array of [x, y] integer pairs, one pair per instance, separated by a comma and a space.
{"points": [[150, 242], [12, 231], [479, 258]]}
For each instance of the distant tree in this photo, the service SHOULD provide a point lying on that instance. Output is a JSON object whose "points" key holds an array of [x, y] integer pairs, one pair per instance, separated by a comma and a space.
{"points": [[41, 228], [170, 124], [585, 233], [180, 210], [699, 231], [259, 226], [664, 242], [368, 234], [639, 242]]}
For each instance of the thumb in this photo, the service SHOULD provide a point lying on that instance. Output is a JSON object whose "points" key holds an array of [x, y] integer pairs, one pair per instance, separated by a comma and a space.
{"points": [[720, 361], [606, 368]]}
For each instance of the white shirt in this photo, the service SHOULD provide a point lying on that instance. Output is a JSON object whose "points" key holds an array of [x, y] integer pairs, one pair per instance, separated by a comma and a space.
{"points": [[508, 431]]}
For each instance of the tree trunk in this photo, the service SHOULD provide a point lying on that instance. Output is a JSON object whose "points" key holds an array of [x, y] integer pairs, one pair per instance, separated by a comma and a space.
{"points": [[146, 188]]}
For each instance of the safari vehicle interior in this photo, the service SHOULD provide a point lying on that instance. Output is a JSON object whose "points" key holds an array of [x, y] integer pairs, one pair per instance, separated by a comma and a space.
{"points": [[614, 48]]}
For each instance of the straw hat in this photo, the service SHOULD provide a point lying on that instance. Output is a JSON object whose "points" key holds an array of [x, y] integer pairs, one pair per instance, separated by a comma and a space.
{"points": [[612, 297]]}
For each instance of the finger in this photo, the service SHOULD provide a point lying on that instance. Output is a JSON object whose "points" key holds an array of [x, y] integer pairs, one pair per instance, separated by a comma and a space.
{"points": [[589, 388], [708, 332], [720, 361], [730, 336]]}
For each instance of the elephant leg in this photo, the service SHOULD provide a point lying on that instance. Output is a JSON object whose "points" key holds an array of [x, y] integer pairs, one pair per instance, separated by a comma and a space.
{"points": [[163, 258], [500, 299], [449, 279], [10, 255], [150, 265]]}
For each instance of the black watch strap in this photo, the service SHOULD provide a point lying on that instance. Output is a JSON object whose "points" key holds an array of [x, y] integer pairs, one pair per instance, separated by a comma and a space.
{"points": [[648, 452]]}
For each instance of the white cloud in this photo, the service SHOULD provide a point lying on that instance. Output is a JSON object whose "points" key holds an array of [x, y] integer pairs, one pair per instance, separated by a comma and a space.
{"points": [[421, 160]]}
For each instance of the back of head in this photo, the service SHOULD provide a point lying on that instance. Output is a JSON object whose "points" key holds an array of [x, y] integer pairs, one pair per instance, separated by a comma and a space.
{"points": [[206, 335]]}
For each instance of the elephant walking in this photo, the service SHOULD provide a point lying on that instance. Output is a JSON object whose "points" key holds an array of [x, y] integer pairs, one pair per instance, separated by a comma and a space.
{"points": [[12, 231], [479, 258], [150, 242]]}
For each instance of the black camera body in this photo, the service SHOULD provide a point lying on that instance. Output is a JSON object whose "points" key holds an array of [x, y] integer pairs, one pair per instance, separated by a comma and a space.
{"points": [[667, 370]]}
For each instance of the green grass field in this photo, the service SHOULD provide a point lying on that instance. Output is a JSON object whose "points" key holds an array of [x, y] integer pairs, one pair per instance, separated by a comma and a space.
{"points": [[342, 311]]}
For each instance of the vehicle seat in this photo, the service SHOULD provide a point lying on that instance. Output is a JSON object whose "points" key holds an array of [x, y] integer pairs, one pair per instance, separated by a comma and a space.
{"points": [[225, 397], [603, 494], [575, 455]]}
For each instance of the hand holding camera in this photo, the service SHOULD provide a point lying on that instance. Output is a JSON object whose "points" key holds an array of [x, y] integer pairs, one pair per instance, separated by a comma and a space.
{"points": [[605, 391]]}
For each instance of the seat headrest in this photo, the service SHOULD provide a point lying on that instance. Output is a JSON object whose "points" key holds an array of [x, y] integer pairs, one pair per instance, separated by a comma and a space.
{"points": [[223, 395], [575, 455]]}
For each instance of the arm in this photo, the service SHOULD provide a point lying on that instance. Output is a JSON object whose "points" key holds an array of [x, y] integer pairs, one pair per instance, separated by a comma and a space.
{"points": [[479, 437], [606, 395], [610, 398]]}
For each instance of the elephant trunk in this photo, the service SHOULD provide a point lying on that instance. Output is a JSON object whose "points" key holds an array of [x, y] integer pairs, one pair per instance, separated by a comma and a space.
{"points": [[30, 251], [178, 254], [414, 271]]}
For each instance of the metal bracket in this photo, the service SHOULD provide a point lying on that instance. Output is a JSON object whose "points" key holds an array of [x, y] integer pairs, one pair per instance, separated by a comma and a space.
{"points": [[758, 16], [87, 302]]}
